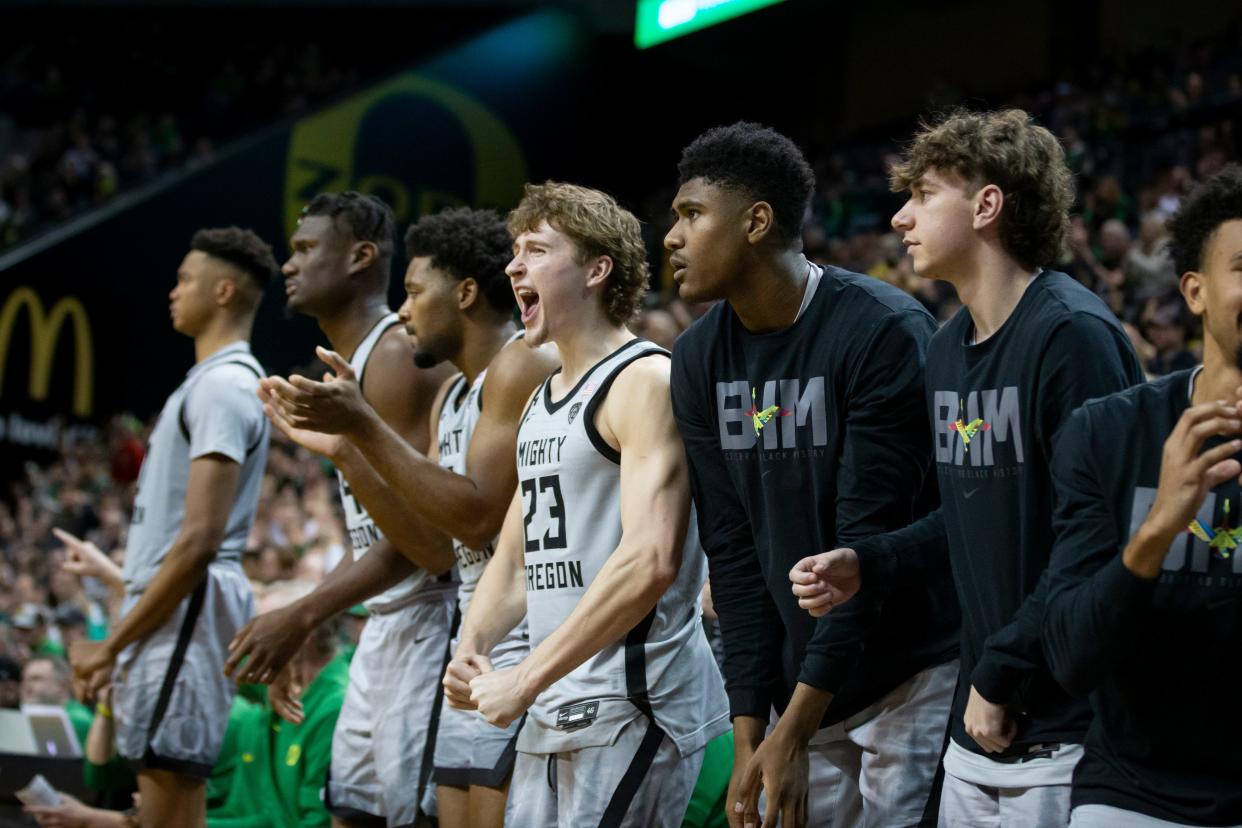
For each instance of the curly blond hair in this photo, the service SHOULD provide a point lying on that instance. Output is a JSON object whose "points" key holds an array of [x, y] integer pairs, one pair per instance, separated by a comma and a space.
{"points": [[1008, 149], [599, 227]]}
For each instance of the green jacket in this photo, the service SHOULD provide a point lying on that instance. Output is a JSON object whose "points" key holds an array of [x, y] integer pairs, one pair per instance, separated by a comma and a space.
{"points": [[271, 773]]}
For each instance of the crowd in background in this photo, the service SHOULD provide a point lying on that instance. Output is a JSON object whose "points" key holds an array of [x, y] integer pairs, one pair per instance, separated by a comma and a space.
{"points": [[1138, 137]]}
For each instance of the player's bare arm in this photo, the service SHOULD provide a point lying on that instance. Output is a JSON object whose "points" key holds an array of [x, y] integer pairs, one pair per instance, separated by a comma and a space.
{"points": [[499, 605], [470, 508], [210, 493], [655, 510]]}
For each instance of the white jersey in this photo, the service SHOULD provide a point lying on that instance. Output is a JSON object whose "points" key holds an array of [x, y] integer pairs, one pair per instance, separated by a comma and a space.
{"points": [[362, 529], [214, 411], [459, 414], [570, 483]]}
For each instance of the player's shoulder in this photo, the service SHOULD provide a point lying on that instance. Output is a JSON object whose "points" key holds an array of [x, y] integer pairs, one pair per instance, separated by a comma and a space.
{"points": [[1063, 301], [236, 378], [858, 294], [392, 353], [645, 373], [1138, 403], [515, 371], [518, 358]]}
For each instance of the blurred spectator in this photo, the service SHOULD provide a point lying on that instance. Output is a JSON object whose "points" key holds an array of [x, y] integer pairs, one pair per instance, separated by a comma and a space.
{"points": [[1165, 325], [10, 683]]}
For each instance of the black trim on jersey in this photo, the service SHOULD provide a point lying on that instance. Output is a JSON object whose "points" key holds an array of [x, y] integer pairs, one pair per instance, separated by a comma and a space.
{"points": [[636, 664], [552, 407], [520, 334], [361, 372], [493, 777], [151, 759], [184, 767], [185, 428], [352, 816], [433, 726], [588, 416], [931, 810], [634, 776], [453, 393]]}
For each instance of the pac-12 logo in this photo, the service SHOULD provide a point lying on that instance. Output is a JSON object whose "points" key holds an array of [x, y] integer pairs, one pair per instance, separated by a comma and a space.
{"points": [[417, 143]]}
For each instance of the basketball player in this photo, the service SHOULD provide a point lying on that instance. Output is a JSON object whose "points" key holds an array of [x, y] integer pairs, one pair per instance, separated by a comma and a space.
{"points": [[620, 685], [1145, 581], [987, 212], [459, 307], [834, 362], [381, 750], [185, 594]]}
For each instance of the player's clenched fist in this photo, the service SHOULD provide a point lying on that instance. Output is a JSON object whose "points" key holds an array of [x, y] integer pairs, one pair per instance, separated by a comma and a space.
{"points": [[823, 581]]}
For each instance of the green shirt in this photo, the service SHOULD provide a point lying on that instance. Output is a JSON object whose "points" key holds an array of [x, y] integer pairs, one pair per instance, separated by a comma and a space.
{"points": [[276, 770], [707, 802]]}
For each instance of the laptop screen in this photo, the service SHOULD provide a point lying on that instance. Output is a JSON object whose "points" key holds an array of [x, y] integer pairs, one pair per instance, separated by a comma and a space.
{"points": [[53, 734]]}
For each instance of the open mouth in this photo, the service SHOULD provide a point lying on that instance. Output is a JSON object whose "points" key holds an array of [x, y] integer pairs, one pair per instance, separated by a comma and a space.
{"points": [[528, 303]]}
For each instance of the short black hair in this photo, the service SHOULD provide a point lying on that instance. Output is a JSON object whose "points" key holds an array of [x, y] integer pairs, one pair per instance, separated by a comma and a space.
{"points": [[1211, 204], [241, 248], [368, 218], [467, 244], [758, 161]]}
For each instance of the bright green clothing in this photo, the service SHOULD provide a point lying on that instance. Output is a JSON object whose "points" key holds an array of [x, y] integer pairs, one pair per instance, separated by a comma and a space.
{"points": [[244, 716], [80, 717], [276, 770], [707, 802]]}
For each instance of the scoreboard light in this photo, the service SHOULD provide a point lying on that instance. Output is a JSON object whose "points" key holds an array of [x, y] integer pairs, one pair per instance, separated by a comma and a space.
{"points": [[662, 20]]}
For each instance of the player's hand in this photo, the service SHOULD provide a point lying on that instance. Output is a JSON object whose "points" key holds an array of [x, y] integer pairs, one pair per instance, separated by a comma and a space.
{"points": [[457, 677], [92, 663], [499, 696], [285, 696], [328, 445], [781, 768], [334, 406], [826, 580], [86, 560], [70, 813], [747, 735], [990, 725], [268, 643], [1186, 475]]}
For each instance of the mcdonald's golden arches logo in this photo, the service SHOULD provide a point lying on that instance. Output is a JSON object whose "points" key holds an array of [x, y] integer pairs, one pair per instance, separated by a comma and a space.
{"points": [[45, 329]]}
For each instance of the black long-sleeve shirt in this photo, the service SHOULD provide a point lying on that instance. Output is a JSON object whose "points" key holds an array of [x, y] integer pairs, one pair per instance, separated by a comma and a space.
{"points": [[1010, 394], [1159, 658], [843, 454]]}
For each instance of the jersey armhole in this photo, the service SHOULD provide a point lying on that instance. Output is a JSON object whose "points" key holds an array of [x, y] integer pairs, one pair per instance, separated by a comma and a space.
{"points": [[185, 426], [588, 416]]}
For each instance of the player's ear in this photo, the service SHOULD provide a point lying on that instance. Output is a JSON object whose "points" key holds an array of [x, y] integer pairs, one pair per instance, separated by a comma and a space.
{"points": [[599, 271], [760, 221], [467, 293], [1191, 286], [362, 256]]}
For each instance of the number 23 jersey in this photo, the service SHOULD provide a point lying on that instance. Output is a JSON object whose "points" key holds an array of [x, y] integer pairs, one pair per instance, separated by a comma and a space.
{"points": [[570, 485]]}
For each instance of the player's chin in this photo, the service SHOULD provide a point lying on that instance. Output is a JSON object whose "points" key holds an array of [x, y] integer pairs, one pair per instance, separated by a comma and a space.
{"points": [[536, 333]]}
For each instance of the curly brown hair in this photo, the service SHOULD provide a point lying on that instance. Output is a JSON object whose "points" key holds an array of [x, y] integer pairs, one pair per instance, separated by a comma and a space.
{"points": [[1008, 149], [599, 227]]}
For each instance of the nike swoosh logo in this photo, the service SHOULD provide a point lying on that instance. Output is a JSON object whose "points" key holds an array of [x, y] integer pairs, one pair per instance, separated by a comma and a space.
{"points": [[969, 494]]}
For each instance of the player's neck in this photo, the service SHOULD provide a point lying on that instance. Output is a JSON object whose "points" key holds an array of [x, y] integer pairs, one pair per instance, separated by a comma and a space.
{"points": [[346, 328], [482, 344], [584, 346], [769, 296], [1220, 377], [220, 334], [990, 284]]}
